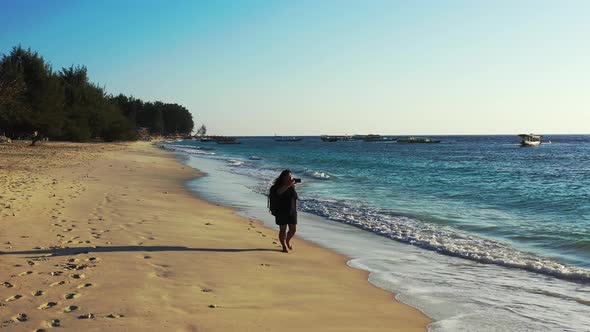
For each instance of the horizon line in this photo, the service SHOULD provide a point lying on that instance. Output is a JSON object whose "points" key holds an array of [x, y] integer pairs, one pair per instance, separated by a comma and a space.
{"points": [[316, 135]]}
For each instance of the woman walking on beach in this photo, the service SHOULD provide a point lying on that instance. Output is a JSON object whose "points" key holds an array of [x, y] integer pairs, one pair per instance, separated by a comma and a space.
{"points": [[283, 205]]}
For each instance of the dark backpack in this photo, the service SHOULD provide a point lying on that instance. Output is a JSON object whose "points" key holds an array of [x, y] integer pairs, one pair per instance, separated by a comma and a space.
{"points": [[273, 201]]}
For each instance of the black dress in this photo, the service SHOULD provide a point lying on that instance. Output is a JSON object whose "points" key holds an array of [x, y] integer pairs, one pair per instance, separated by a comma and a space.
{"points": [[286, 212]]}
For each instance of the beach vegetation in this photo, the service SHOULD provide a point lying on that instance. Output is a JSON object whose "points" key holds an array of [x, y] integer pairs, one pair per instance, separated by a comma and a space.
{"points": [[37, 102]]}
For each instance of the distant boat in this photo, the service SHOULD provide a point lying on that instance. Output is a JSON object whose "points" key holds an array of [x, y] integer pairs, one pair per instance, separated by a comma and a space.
{"points": [[412, 139], [226, 140], [377, 138], [287, 138], [530, 140], [206, 138], [372, 138], [335, 138]]}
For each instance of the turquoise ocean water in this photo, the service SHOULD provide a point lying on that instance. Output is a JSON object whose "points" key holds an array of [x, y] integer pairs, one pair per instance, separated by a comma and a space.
{"points": [[494, 214]]}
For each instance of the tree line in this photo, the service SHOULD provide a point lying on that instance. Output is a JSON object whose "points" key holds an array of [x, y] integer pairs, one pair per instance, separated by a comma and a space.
{"points": [[66, 105]]}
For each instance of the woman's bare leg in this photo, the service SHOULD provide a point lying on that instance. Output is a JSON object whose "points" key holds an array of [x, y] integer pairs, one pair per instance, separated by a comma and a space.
{"points": [[290, 234], [282, 236]]}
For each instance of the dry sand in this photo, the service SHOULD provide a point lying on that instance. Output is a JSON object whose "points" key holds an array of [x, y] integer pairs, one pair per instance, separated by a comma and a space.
{"points": [[104, 237]]}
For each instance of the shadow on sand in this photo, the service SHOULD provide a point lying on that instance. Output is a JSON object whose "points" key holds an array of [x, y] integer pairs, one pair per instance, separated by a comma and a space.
{"points": [[87, 250]]}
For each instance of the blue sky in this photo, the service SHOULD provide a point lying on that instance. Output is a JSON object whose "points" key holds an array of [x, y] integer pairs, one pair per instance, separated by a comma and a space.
{"points": [[248, 67]]}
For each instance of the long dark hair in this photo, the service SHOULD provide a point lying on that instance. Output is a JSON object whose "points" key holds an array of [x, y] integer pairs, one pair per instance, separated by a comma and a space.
{"points": [[279, 180]]}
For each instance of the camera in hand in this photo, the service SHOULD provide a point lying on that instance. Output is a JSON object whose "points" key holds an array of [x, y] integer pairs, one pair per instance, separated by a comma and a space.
{"points": [[297, 180]]}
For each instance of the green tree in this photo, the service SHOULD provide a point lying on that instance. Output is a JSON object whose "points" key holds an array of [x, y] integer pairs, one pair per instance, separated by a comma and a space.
{"points": [[13, 112], [67, 105], [42, 106]]}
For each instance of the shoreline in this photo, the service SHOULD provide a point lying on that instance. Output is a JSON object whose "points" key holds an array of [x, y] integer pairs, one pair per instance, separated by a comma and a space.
{"points": [[458, 294], [126, 210]]}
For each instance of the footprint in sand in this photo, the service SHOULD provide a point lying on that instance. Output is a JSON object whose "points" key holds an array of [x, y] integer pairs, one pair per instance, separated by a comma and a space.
{"points": [[70, 308], [84, 286], [73, 266], [13, 298], [70, 296], [22, 317], [77, 276], [56, 273], [37, 293], [7, 284], [47, 305], [25, 273], [86, 316], [53, 323], [114, 316], [57, 283]]}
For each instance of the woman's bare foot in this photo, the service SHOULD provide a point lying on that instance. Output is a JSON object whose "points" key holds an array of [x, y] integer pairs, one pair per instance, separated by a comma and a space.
{"points": [[289, 246], [285, 250]]}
